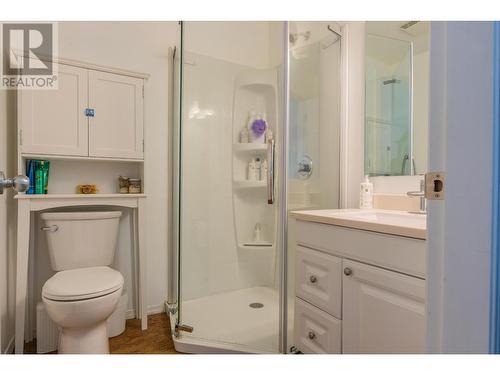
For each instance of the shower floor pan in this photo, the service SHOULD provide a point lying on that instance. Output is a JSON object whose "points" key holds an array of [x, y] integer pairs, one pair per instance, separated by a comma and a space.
{"points": [[226, 323]]}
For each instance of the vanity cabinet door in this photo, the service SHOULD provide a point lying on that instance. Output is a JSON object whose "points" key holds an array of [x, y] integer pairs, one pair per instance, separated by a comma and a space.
{"points": [[316, 331], [116, 129], [383, 311], [318, 279], [53, 121]]}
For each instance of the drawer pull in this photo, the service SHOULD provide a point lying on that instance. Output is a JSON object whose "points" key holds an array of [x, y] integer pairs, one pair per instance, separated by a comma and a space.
{"points": [[311, 335], [52, 228], [313, 279], [347, 271]]}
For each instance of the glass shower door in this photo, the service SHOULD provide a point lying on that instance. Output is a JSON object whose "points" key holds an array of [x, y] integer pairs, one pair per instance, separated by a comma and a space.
{"points": [[228, 231], [314, 129]]}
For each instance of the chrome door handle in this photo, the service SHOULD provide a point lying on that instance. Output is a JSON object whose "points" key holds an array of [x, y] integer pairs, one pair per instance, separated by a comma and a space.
{"points": [[19, 183], [313, 279], [311, 335], [270, 171], [347, 271]]}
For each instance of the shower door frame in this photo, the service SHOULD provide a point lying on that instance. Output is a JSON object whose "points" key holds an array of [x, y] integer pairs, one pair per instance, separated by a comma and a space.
{"points": [[173, 304]]}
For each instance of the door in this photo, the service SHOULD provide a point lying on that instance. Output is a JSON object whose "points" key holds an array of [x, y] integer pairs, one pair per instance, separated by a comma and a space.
{"points": [[116, 129], [53, 122], [383, 311], [459, 237], [229, 247], [4, 334]]}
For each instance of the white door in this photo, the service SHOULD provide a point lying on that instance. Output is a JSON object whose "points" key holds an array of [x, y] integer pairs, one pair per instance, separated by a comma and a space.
{"points": [[116, 130], [383, 311], [460, 226], [53, 122], [3, 233]]}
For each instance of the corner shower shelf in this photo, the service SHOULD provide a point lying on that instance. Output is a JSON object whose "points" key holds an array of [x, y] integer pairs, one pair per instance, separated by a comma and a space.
{"points": [[243, 184], [250, 147], [256, 246]]}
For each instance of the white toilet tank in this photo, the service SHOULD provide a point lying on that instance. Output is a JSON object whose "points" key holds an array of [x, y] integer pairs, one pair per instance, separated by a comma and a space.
{"points": [[81, 239]]}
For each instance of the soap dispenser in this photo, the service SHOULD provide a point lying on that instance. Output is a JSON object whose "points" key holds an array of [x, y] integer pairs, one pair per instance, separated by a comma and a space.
{"points": [[366, 194]]}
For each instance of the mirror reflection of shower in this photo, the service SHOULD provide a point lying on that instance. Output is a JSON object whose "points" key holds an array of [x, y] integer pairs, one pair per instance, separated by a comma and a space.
{"points": [[325, 36]]}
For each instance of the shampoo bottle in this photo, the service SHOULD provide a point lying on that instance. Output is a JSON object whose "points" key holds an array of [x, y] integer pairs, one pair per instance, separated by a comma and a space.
{"points": [[366, 194], [263, 170], [252, 170]]}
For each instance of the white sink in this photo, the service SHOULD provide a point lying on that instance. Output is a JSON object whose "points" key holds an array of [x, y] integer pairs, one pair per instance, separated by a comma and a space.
{"points": [[396, 218], [385, 221]]}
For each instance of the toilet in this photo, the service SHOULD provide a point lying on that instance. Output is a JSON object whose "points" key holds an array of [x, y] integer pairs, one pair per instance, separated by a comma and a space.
{"points": [[85, 291]]}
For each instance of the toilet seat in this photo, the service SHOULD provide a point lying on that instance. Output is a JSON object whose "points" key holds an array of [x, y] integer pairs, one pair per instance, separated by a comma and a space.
{"points": [[82, 283]]}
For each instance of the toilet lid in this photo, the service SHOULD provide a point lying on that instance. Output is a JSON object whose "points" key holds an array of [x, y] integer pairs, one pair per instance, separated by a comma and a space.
{"points": [[82, 283]]}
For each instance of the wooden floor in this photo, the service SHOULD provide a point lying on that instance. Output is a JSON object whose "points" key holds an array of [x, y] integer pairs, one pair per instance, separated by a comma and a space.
{"points": [[155, 340]]}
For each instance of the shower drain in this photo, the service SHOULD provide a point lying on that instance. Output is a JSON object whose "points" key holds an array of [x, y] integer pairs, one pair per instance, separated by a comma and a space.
{"points": [[256, 305]]}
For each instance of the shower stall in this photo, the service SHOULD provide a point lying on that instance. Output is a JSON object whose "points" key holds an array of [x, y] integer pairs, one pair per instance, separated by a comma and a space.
{"points": [[255, 132]]}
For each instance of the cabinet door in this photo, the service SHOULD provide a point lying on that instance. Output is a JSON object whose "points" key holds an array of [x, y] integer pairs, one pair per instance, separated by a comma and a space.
{"points": [[116, 130], [53, 122], [383, 311]]}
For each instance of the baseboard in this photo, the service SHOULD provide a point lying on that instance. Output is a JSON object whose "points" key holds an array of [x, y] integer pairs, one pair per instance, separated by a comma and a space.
{"points": [[152, 309], [130, 314], [156, 309], [10, 346]]}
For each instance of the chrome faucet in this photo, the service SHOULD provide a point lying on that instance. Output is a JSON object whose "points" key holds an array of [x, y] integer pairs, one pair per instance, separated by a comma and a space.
{"points": [[421, 194]]}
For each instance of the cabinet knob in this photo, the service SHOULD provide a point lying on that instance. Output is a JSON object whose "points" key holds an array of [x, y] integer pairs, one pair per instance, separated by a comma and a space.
{"points": [[311, 335], [347, 271], [313, 279]]}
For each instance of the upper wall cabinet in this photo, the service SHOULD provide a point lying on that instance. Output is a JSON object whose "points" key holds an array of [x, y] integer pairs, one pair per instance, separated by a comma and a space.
{"points": [[116, 128], [91, 114], [53, 121]]}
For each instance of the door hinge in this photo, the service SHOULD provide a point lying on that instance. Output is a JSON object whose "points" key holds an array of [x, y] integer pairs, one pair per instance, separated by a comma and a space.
{"points": [[143, 91], [434, 185], [143, 145], [20, 137]]}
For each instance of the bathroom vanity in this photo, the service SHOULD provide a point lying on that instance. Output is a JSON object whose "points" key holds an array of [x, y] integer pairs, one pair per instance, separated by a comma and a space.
{"points": [[360, 281]]}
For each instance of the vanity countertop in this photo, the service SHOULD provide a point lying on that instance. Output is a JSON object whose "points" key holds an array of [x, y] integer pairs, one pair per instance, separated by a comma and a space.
{"points": [[399, 223]]}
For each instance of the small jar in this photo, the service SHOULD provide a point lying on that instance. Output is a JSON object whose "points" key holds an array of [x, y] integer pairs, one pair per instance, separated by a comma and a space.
{"points": [[123, 184], [134, 186]]}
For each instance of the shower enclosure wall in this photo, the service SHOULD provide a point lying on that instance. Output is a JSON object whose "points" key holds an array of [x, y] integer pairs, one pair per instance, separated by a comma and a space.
{"points": [[233, 284]]}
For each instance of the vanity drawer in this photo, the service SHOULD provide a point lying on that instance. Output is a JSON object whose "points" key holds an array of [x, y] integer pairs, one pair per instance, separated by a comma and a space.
{"points": [[402, 254], [315, 331], [318, 280]]}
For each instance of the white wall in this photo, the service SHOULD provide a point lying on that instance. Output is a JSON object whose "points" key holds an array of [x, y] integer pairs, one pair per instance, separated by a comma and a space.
{"points": [[244, 43], [353, 96], [420, 109]]}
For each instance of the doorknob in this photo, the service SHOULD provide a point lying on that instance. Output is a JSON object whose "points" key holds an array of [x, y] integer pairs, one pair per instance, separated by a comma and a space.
{"points": [[19, 183]]}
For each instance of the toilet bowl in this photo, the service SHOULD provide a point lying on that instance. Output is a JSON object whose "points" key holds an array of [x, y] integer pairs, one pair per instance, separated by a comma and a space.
{"points": [[85, 291]]}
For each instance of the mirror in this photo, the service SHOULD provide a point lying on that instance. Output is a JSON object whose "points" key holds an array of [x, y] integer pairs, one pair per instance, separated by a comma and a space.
{"points": [[396, 98]]}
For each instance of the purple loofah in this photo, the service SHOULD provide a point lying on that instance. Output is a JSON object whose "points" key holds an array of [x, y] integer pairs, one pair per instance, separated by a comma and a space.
{"points": [[259, 127]]}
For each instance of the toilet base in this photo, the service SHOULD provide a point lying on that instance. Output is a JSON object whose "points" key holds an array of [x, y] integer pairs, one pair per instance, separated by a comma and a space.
{"points": [[87, 340]]}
